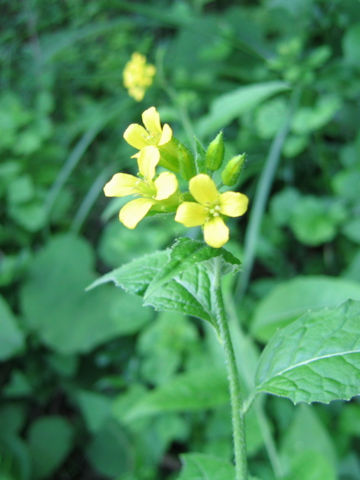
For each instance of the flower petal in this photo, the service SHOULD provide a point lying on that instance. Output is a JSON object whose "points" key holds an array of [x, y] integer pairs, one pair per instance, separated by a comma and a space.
{"points": [[136, 136], [166, 135], [216, 233], [166, 185], [134, 211], [233, 204], [147, 160], [203, 189], [151, 120], [191, 214], [121, 185]]}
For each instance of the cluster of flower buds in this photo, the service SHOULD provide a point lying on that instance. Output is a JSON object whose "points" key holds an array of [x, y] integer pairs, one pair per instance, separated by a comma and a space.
{"points": [[201, 204]]}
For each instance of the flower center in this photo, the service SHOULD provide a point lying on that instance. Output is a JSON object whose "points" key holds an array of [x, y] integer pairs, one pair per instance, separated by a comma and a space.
{"points": [[214, 211]]}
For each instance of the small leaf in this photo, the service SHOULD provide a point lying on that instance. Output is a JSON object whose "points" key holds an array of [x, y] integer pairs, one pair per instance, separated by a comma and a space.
{"points": [[135, 277], [186, 253], [11, 337], [225, 108], [198, 466], [110, 451], [291, 299], [316, 358], [177, 279], [190, 391], [50, 441]]}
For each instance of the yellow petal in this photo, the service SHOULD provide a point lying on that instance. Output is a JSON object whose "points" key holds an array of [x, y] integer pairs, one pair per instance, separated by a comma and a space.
{"points": [[136, 136], [134, 211], [203, 189], [151, 120], [166, 185], [166, 134], [191, 214], [216, 233], [121, 185], [233, 204], [147, 160]]}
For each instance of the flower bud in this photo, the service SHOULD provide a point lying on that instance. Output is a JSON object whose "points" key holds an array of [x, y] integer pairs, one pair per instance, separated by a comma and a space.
{"points": [[231, 172], [215, 153]]}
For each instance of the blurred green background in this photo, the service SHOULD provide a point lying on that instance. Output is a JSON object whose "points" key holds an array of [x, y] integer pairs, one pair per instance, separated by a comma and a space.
{"points": [[94, 386]]}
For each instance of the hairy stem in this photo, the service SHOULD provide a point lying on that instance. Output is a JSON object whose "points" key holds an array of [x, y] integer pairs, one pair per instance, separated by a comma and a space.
{"points": [[234, 383]]}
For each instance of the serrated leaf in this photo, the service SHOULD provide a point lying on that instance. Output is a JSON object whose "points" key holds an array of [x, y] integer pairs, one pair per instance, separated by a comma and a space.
{"points": [[231, 105], [316, 358], [135, 277], [291, 299], [177, 279], [198, 466], [190, 391], [186, 253]]}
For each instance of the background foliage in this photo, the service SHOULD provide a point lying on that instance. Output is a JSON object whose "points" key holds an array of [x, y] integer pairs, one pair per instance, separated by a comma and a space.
{"points": [[94, 385]]}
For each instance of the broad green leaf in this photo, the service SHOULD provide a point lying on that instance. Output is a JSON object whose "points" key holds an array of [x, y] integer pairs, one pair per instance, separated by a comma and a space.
{"points": [[95, 407], [351, 42], [11, 337], [194, 390], [311, 465], [135, 277], [57, 308], [225, 108], [50, 441], [185, 254], [110, 451], [316, 449], [182, 277], [199, 466], [316, 358], [291, 299]]}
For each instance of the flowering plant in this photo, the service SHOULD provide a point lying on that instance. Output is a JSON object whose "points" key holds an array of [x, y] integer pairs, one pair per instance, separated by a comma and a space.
{"points": [[311, 359]]}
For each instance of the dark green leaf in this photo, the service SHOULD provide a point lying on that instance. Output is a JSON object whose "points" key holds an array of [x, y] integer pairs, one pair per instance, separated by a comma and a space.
{"points": [[316, 358]]}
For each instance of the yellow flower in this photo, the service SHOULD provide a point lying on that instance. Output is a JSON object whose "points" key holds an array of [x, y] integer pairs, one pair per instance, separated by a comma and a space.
{"points": [[138, 76], [139, 137], [210, 208], [151, 191]]}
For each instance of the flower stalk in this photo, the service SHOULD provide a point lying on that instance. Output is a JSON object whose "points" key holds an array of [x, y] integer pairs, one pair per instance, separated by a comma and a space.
{"points": [[236, 400]]}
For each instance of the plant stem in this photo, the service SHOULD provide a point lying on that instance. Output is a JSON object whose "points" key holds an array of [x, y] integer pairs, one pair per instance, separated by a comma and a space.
{"points": [[236, 400]]}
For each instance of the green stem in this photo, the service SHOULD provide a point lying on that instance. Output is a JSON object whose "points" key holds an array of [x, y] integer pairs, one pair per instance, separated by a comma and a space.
{"points": [[237, 415]]}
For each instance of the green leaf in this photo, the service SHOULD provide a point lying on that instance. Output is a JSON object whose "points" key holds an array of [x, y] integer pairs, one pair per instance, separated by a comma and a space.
{"points": [[11, 337], [58, 309], [186, 392], [136, 276], [110, 452], [198, 466], [95, 407], [308, 456], [351, 41], [182, 277], [225, 108], [50, 441], [291, 299], [316, 358], [184, 255]]}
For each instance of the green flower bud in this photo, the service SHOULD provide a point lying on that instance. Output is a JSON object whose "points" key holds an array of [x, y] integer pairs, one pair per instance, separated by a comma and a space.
{"points": [[231, 172], [215, 153]]}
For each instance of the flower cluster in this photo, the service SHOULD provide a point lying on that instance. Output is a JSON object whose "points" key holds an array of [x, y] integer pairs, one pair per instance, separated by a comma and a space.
{"points": [[201, 205], [138, 76]]}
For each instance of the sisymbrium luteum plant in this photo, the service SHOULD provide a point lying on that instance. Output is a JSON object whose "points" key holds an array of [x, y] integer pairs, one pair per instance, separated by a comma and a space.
{"points": [[200, 205], [315, 358]]}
